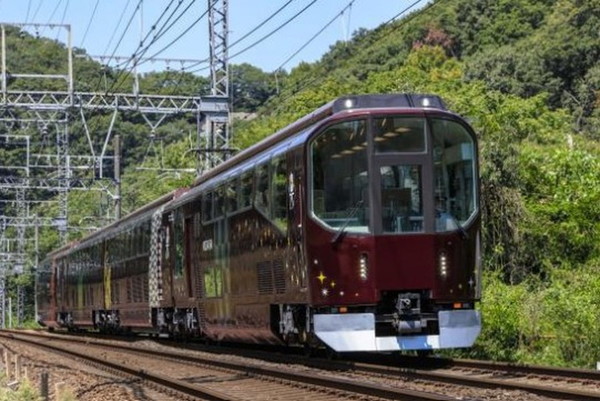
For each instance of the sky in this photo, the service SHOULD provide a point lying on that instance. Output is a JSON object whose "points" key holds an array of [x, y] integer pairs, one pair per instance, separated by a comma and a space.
{"points": [[99, 27]]}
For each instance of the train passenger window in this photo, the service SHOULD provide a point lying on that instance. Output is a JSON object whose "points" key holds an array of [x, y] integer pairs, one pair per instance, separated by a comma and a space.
{"points": [[219, 202], [231, 195], [401, 199], [207, 206], [246, 189], [279, 185], [453, 174], [213, 282], [178, 239], [340, 177], [262, 193], [399, 134]]}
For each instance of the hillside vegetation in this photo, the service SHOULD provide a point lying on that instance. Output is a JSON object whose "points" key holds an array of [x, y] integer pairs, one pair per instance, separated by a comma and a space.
{"points": [[526, 73]]}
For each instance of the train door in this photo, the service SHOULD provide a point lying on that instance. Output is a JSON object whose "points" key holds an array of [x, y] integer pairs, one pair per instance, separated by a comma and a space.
{"points": [[402, 198], [402, 176], [180, 233], [296, 259], [167, 260], [187, 255]]}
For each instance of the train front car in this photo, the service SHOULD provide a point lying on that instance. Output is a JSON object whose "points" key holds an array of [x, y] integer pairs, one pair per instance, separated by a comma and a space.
{"points": [[393, 226]]}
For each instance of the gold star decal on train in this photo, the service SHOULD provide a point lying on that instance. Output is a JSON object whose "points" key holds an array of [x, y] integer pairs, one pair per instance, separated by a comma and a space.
{"points": [[321, 277]]}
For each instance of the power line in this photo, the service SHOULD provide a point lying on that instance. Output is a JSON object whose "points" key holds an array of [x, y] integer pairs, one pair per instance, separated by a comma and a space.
{"points": [[120, 39], [28, 9], [274, 31], [37, 10], [116, 27], [51, 16], [261, 24], [62, 20], [402, 23], [89, 23], [316, 35], [163, 49], [265, 36], [126, 29], [138, 54]]}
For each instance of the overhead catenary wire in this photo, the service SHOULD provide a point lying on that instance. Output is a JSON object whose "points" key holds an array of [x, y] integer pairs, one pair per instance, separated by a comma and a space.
{"points": [[37, 10], [265, 37], [117, 27], [269, 18], [321, 77], [138, 55], [87, 29], [327, 25], [28, 9], [64, 14], [193, 24], [51, 16], [141, 50], [121, 38]]}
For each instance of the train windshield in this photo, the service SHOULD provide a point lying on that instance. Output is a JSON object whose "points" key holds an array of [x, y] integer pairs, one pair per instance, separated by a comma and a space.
{"points": [[340, 178], [453, 174], [421, 176]]}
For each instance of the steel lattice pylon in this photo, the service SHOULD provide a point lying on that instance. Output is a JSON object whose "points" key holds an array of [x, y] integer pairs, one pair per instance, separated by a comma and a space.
{"points": [[216, 133], [39, 125]]}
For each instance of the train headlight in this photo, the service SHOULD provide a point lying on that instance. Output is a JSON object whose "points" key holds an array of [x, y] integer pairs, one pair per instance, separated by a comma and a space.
{"points": [[443, 264], [363, 267]]}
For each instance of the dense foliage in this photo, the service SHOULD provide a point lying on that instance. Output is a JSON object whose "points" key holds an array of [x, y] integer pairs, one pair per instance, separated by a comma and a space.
{"points": [[526, 73]]}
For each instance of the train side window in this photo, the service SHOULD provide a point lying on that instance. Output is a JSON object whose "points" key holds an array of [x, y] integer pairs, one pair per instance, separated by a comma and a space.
{"points": [[279, 185], [213, 282], [207, 206], [262, 193], [178, 239], [246, 189], [219, 202], [231, 195]]}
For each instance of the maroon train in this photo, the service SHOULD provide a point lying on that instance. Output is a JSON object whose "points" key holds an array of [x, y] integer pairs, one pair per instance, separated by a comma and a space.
{"points": [[357, 226]]}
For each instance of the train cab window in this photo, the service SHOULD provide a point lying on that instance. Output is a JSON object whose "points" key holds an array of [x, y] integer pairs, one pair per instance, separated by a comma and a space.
{"points": [[399, 134], [454, 172], [339, 191], [279, 185], [246, 189], [213, 282], [262, 196], [401, 199]]}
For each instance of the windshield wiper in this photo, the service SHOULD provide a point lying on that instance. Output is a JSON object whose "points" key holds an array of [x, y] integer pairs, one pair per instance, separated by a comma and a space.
{"points": [[463, 233], [347, 220]]}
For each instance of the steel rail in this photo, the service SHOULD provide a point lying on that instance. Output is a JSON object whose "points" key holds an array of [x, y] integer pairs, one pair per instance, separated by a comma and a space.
{"points": [[481, 382], [340, 384], [171, 384], [572, 373]]}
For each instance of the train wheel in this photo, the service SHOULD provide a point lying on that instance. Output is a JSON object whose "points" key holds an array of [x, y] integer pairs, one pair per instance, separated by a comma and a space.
{"points": [[424, 353], [331, 354]]}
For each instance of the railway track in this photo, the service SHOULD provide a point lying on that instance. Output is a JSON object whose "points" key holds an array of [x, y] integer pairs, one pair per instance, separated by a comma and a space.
{"points": [[384, 380], [245, 377]]}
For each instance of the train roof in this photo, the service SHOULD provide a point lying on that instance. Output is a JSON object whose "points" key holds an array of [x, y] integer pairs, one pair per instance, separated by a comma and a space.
{"points": [[288, 136], [341, 104]]}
